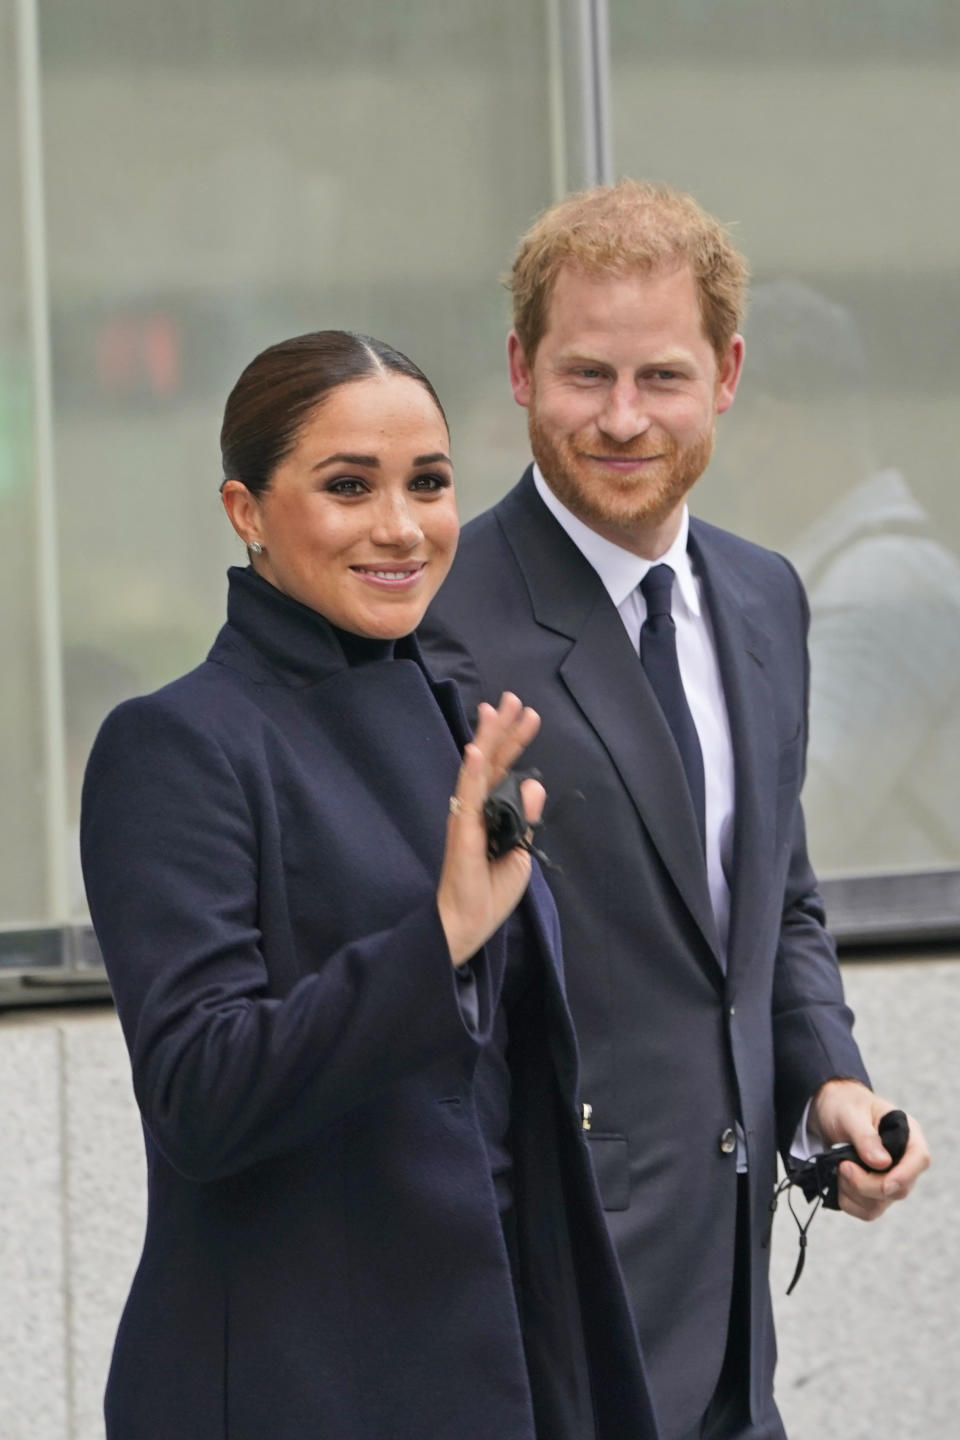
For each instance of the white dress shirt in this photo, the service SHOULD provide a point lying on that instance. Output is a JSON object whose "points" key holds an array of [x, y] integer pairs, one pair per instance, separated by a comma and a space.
{"points": [[621, 573]]}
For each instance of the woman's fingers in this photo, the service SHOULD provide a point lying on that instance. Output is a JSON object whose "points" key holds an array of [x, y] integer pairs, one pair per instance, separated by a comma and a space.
{"points": [[504, 732], [534, 799], [476, 894], [473, 783]]}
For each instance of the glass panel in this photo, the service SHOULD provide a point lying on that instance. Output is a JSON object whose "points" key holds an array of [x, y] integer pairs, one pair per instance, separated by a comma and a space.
{"points": [[827, 133], [219, 177], [22, 849]]}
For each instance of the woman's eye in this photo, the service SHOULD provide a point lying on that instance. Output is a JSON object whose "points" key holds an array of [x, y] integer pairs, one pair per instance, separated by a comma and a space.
{"points": [[430, 483], [346, 485]]}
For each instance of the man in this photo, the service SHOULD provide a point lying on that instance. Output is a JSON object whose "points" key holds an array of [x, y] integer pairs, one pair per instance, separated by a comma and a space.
{"points": [[702, 981]]}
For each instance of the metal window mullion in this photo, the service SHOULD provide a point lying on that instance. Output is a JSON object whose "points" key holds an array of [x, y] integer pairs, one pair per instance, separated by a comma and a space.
{"points": [[585, 76], [601, 142], [45, 507]]}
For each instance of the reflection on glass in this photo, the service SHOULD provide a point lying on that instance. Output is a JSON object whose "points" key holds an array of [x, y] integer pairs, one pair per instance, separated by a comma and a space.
{"points": [[218, 177], [882, 787], [825, 134]]}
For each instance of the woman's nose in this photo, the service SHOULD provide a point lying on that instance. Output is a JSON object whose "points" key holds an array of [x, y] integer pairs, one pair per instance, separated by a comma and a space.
{"points": [[396, 525]]}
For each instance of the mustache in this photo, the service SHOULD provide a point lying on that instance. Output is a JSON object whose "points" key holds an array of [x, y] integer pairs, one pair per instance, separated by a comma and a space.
{"points": [[652, 444]]}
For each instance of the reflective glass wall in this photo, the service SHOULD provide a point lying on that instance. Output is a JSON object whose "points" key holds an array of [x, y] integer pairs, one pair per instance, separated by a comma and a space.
{"points": [[828, 135], [216, 177], [22, 777], [188, 183]]}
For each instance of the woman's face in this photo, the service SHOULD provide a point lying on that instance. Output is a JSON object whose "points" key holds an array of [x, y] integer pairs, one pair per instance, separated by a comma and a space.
{"points": [[359, 522]]}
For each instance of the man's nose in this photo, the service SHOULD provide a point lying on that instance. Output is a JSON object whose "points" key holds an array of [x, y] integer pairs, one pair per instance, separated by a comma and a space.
{"points": [[624, 415]]}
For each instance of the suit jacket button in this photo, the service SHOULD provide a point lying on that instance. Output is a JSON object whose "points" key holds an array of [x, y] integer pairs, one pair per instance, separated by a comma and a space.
{"points": [[728, 1141]]}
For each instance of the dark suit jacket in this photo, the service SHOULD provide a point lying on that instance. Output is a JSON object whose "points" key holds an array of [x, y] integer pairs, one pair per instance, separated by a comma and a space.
{"points": [[323, 1257], [674, 1046]]}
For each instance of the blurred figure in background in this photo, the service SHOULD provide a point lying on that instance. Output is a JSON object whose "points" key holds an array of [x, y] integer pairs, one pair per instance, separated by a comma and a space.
{"points": [[882, 788]]}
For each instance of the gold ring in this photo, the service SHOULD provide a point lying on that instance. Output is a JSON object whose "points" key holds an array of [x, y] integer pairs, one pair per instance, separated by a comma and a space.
{"points": [[456, 805]]}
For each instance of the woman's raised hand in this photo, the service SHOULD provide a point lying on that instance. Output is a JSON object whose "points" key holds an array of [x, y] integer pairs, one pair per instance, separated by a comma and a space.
{"points": [[477, 894]]}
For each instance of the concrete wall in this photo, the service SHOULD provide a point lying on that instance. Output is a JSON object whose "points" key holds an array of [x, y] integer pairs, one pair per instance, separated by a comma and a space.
{"points": [[71, 1217], [867, 1340]]}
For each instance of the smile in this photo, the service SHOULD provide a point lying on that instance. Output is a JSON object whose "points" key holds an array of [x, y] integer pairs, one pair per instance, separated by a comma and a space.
{"points": [[392, 578], [624, 462]]}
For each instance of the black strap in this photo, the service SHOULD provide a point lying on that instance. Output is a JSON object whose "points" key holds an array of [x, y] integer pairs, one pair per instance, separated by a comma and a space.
{"points": [[802, 1227]]}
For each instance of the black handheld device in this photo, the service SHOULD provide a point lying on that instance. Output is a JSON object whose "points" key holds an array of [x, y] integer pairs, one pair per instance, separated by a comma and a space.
{"points": [[818, 1175], [507, 825]]}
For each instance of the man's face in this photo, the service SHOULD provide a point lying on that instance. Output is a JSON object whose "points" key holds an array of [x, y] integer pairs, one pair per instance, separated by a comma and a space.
{"points": [[621, 397]]}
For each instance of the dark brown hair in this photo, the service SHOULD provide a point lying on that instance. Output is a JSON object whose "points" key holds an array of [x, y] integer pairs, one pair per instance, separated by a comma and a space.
{"points": [[284, 385]]}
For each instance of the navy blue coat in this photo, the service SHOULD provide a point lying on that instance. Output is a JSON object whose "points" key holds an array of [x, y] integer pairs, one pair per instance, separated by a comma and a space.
{"points": [[323, 1256], [677, 1041]]}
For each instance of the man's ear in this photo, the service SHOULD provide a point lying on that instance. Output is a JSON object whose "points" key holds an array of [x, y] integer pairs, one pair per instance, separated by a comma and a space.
{"points": [[521, 378], [728, 374], [243, 510]]}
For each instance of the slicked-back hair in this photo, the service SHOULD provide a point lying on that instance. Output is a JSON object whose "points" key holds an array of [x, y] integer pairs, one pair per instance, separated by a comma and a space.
{"points": [[285, 384]]}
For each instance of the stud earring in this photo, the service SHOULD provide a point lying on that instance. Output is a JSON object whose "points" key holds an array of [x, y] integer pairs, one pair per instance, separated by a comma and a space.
{"points": [[256, 547]]}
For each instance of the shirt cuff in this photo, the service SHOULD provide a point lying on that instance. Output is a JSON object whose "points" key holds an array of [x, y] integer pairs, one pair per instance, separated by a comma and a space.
{"points": [[804, 1145]]}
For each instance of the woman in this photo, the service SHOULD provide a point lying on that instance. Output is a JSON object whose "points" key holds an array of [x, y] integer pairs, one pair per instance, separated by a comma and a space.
{"points": [[368, 1215]]}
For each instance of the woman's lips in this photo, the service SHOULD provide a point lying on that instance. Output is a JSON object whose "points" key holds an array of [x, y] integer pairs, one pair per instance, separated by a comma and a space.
{"points": [[391, 577]]}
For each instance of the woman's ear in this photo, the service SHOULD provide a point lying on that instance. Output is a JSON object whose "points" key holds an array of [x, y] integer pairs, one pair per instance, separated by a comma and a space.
{"points": [[243, 511]]}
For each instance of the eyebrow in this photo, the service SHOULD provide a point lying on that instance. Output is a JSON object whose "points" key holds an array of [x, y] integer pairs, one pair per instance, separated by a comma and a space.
{"points": [[661, 362], [341, 458], [371, 462]]}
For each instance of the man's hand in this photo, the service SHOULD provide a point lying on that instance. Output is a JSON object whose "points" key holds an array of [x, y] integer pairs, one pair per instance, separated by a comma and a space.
{"points": [[846, 1112]]}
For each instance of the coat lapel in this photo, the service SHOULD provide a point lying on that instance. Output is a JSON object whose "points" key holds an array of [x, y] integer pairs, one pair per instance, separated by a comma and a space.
{"points": [[744, 652], [605, 678], [445, 692]]}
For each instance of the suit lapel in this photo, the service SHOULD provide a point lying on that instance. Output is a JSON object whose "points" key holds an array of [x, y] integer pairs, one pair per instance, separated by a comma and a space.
{"points": [[744, 653], [604, 676]]}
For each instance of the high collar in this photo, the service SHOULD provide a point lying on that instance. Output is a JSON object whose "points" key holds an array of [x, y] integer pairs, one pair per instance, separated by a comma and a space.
{"points": [[282, 641]]}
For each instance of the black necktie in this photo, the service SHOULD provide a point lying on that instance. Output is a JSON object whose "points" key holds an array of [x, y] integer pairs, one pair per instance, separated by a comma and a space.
{"points": [[658, 655]]}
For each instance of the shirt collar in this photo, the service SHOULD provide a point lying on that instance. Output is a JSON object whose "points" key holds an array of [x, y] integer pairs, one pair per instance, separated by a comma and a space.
{"points": [[620, 570]]}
